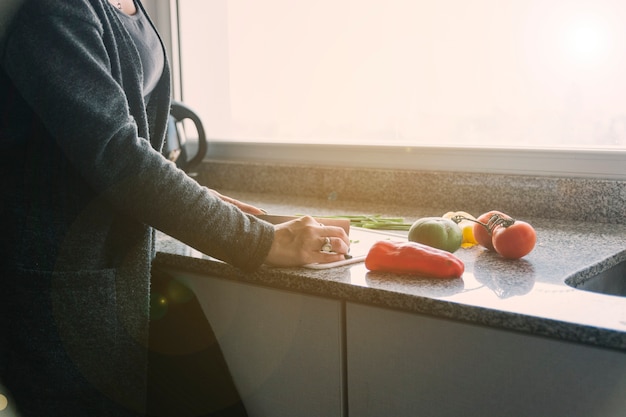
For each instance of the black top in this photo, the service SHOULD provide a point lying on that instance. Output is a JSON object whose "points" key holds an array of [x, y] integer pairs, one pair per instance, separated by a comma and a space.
{"points": [[149, 47]]}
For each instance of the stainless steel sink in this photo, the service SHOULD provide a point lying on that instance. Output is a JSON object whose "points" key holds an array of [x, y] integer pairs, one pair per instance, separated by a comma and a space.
{"points": [[611, 281]]}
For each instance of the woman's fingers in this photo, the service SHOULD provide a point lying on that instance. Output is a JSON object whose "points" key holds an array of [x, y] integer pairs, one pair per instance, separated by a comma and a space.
{"points": [[334, 238], [334, 245]]}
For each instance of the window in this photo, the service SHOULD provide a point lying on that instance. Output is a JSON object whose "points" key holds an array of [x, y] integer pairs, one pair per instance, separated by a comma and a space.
{"points": [[498, 86]]}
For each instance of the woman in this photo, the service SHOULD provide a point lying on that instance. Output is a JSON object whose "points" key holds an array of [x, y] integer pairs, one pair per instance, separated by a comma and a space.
{"points": [[85, 93]]}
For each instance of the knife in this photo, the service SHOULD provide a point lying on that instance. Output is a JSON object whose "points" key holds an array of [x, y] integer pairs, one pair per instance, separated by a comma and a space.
{"points": [[277, 218]]}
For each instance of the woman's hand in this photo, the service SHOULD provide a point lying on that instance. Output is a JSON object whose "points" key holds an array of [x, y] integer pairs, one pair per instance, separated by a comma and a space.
{"points": [[299, 242], [246, 208]]}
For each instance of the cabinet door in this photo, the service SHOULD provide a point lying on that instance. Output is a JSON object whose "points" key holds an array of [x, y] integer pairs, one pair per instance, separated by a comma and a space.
{"points": [[283, 349], [402, 364]]}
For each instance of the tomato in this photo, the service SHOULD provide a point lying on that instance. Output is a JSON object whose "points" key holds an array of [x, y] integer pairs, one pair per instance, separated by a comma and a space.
{"points": [[514, 241], [481, 234]]}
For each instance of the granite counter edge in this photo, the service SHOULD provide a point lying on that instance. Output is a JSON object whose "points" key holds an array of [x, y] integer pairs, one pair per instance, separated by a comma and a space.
{"points": [[305, 281]]}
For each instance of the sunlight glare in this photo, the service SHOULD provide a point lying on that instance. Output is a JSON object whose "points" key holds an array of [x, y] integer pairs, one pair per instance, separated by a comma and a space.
{"points": [[586, 40]]}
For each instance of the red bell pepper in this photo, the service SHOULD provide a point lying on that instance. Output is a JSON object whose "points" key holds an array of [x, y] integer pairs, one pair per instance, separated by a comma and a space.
{"points": [[413, 258]]}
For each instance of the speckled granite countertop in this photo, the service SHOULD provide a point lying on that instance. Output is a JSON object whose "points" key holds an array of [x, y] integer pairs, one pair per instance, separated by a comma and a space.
{"points": [[528, 295]]}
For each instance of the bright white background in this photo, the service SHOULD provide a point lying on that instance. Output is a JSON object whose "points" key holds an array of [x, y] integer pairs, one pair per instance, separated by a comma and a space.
{"points": [[413, 78]]}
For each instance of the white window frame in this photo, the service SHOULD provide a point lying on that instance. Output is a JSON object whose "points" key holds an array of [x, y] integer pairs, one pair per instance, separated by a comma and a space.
{"points": [[603, 164]]}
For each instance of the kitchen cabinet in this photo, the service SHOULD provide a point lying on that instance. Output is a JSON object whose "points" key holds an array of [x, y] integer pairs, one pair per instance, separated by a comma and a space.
{"points": [[294, 354], [187, 373], [403, 364], [283, 348]]}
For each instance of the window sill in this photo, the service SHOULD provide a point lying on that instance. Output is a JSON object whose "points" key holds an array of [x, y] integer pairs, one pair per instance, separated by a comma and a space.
{"points": [[601, 164]]}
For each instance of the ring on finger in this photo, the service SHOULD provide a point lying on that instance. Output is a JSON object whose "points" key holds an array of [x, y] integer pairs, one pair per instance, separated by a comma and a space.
{"points": [[327, 247]]}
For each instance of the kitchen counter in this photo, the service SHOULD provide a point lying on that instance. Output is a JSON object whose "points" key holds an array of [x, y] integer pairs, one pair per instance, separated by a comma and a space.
{"points": [[527, 295]]}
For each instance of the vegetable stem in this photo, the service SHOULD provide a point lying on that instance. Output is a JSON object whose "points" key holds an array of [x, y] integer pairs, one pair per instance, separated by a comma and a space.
{"points": [[375, 221]]}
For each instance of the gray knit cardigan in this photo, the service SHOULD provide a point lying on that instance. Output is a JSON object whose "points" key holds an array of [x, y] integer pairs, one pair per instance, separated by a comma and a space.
{"points": [[82, 183]]}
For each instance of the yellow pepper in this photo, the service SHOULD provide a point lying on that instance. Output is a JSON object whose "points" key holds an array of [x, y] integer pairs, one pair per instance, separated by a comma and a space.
{"points": [[467, 226]]}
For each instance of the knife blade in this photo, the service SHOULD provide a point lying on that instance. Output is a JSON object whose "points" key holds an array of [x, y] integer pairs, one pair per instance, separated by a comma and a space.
{"points": [[279, 218]]}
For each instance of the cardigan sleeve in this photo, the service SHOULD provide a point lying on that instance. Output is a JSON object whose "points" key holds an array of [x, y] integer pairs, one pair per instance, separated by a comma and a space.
{"points": [[79, 74]]}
